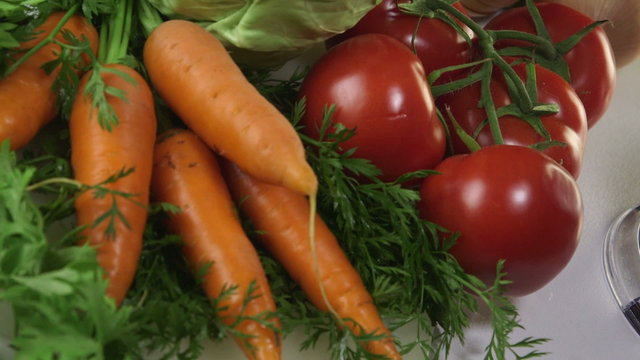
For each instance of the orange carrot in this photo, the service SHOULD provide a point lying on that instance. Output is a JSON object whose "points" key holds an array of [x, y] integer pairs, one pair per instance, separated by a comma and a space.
{"points": [[97, 154], [323, 272], [27, 101], [186, 174], [195, 75]]}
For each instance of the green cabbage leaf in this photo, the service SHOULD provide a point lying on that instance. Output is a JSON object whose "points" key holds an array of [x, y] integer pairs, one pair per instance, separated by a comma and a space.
{"points": [[269, 30]]}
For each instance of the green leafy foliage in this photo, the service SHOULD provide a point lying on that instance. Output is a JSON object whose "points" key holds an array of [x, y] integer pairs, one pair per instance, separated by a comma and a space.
{"points": [[56, 287], [6, 39], [56, 293], [99, 92]]}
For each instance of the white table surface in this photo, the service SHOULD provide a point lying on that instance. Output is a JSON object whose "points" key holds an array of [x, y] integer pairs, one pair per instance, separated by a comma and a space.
{"points": [[576, 310]]}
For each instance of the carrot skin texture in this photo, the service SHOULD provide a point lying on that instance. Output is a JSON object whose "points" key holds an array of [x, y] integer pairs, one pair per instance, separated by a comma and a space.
{"points": [[27, 101], [283, 217], [186, 174], [97, 154], [194, 74]]}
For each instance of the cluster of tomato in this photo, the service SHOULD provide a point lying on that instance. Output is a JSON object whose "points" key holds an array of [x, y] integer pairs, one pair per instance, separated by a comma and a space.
{"points": [[508, 187]]}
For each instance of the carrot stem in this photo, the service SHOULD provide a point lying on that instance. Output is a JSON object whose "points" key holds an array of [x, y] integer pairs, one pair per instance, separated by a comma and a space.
{"points": [[148, 16], [104, 36], [128, 20], [54, 180], [115, 36]]}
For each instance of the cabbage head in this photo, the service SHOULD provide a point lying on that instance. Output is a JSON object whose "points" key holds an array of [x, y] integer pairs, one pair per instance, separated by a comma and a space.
{"points": [[269, 31]]}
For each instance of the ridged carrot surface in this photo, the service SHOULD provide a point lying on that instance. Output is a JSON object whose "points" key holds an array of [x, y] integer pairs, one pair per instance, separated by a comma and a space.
{"points": [[282, 217], [195, 75], [27, 101], [186, 174], [97, 154]]}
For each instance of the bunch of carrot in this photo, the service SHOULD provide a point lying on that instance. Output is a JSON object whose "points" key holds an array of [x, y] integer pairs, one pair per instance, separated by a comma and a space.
{"points": [[262, 167], [96, 154], [227, 113]]}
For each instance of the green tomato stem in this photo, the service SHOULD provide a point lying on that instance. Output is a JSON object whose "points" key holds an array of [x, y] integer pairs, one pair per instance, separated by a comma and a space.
{"points": [[541, 29], [485, 41], [467, 139], [437, 90], [523, 99], [543, 45], [489, 106], [563, 47]]}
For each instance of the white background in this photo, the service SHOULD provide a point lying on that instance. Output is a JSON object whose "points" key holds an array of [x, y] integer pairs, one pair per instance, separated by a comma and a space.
{"points": [[575, 310]]}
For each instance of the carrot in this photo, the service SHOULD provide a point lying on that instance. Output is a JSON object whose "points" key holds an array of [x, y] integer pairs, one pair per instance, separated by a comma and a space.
{"points": [[117, 160], [186, 174], [195, 75], [96, 155], [323, 271], [27, 101]]}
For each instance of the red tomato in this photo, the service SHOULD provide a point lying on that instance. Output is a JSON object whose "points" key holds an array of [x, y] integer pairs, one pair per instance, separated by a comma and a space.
{"points": [[569, 125], [436, 43], [506, 202], [591, 61], [378, 87]]}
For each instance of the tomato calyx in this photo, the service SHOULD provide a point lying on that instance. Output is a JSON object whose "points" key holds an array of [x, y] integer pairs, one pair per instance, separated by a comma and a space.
{"points": [[531, 115], [468, 140], [484, 38], [543, 50], [581, 51], [522, 89]]}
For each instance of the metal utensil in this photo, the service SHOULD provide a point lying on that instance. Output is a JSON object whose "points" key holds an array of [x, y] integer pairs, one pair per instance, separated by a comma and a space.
{"points": [[622, 264]]}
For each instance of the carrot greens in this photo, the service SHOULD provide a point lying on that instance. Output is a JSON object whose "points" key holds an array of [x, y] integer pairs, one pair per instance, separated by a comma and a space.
{"points": [[55, 291], [404, 259]]}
